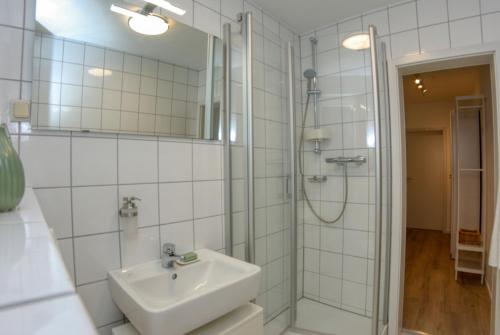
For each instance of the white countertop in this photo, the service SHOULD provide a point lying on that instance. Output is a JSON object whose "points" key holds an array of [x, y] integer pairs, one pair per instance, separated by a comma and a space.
{"points": [[37, 295]]}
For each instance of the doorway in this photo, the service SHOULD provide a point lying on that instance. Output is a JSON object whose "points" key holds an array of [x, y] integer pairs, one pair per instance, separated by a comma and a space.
{"points": [[440, 295], [425, 182]]}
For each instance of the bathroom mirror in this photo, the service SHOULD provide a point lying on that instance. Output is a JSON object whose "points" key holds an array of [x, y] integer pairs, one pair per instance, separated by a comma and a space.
{"points": [[97, 68]]}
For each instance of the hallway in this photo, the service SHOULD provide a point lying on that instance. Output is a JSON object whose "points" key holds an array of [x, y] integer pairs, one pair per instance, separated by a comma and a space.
{"points": [[433, 301]]}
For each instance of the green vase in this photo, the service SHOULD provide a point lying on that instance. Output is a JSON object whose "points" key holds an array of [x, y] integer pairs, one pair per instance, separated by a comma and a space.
{"points": [[11, 174]]}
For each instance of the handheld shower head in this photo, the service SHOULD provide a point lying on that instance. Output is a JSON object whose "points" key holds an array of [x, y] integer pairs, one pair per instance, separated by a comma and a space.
{"points": [[310, 74]]}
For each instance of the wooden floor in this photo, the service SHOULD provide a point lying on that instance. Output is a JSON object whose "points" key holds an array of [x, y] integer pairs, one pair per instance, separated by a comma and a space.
{"points": [[434, 302]]}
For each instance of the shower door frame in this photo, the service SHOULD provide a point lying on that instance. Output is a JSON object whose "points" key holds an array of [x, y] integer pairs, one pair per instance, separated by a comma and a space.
{"points": [[378, 181], [462, 56]]}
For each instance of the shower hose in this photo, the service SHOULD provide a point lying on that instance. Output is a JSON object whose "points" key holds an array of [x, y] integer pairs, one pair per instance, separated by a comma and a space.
{"points": [[301, 171]]}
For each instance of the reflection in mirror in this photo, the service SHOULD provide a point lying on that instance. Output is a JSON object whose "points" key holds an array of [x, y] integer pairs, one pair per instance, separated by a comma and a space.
{"points": [[124, 67]]}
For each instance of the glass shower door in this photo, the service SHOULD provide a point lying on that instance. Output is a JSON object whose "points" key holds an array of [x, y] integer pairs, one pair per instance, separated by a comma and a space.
{"points": [[383, 183]]}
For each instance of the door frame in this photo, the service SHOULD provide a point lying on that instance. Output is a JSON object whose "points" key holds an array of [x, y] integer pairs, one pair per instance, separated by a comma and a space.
{"points": [[445, 196], [450, 58]]}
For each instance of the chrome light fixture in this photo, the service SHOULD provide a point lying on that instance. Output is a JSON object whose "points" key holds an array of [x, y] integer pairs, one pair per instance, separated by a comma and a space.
{"points": [[357, 41], [145, 22]]}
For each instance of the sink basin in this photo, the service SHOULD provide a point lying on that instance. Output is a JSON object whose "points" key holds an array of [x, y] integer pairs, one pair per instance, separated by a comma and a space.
{"points": [[161, 301]]}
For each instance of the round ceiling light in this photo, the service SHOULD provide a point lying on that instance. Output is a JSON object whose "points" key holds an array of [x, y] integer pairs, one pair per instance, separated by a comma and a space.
{"points": [[357, 41], [148, 24]]}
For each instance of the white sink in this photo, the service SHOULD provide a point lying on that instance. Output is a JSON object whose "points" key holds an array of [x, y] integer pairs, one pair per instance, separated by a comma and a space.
{"points": [[158, 304]]}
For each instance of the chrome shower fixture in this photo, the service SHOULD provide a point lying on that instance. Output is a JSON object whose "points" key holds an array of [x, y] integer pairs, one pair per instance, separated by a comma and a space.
{"points": [[341, 160]]}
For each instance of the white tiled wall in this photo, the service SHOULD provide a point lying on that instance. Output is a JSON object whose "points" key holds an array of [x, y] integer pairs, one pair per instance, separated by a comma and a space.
{"points": [[80, 178], [338, 259], [182, 204], [81, 86]]}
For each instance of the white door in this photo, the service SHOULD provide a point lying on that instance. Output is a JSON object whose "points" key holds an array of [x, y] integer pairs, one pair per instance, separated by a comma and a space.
{"points": [[425, 180]]}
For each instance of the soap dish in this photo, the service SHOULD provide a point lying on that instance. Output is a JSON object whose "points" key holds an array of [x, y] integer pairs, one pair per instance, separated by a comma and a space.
{"points": [[180, 262]]}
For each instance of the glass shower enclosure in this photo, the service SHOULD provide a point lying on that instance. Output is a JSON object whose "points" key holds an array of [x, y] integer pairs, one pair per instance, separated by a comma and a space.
{"points": [[309, 266]]}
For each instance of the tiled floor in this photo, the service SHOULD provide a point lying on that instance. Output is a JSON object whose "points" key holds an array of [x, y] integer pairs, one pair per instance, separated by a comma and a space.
{"points": [[318, 317]]}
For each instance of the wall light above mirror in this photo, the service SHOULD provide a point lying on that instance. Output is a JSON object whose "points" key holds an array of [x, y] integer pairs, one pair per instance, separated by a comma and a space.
{"points": [[92, 72]]}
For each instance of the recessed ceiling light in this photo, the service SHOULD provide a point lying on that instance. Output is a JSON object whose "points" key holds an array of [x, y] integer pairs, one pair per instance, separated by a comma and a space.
{"points": [[146, 24], [357, 41], [168, 6]]}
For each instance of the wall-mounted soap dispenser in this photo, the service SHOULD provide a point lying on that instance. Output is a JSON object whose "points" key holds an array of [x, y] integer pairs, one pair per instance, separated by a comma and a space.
{"points": [[128, 212]]}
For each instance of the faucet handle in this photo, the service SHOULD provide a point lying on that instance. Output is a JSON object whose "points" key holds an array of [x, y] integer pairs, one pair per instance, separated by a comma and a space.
{"points": [[169, 249]]}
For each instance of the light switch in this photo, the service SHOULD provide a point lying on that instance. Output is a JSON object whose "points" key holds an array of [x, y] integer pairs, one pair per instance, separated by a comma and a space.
{"points": [[20, 110]]}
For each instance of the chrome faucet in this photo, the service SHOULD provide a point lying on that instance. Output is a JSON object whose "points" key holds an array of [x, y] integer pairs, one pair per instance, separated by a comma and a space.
{"points": [[168, 256]]}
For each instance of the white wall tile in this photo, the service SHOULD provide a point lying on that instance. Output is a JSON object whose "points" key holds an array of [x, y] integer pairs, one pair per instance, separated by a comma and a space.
{"points": [[380, 19], [491, 27], [66, 248], [11, 46], [432, 12], [208, 233], [56, 208], [404, 44], [97, 299], [113, 60], [137, 161], [187, 5], [231, 8], [147, 206], [353, 294], [465, 32], [354, 269], [207, 198], [73, 52], [52, 48], [176, 202], [46, 160], [435, 37], [175, 159], [330, 289], [458, 9], [12, 13], [207, 162], [94, 161], [140, 247], [95, 209], [180, 233], [488, 6], [403, 17], [95, 256], [94, 56], [206, 19]]}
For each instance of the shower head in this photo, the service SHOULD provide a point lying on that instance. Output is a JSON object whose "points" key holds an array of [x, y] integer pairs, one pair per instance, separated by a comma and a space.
{"points": [[310, 74]]}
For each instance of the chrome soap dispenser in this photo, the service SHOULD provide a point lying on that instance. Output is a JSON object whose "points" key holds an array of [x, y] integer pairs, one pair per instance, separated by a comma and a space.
{"points": [[128, 213]]}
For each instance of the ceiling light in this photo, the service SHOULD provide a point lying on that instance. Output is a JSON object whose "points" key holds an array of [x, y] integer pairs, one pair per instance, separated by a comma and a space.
{"points": [[148, 25], [357, 41], [417, 81], [420, 86], [168, 6], [424, 91]]}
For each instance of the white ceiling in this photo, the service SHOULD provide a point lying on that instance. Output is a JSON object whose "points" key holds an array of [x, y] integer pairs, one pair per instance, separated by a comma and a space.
{"points": [[91, 21], [307, 15]]}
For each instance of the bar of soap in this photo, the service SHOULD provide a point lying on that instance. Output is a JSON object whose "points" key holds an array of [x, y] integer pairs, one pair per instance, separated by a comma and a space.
{"points": [[189, 257]]}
